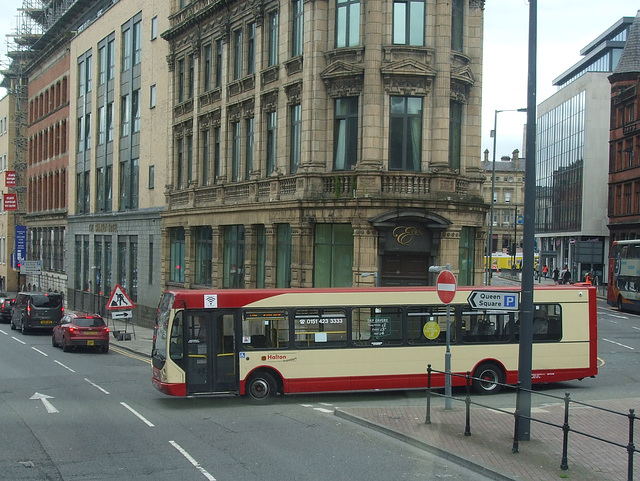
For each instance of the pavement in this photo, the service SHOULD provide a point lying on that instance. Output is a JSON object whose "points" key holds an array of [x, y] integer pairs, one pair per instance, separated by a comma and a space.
{"points": [[488, 449]]}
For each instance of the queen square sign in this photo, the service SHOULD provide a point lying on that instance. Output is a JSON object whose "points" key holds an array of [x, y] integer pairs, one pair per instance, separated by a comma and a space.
{"points": [[494, 300]]}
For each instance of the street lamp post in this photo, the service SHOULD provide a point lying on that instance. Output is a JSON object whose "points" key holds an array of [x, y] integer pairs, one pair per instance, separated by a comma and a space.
{"points": [[493, 193]]}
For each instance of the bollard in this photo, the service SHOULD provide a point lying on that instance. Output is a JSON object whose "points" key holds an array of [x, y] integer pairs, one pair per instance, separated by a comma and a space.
{"points": [[516, 424], [565, 436], [428, 418], [630, 447], [467, 401]]}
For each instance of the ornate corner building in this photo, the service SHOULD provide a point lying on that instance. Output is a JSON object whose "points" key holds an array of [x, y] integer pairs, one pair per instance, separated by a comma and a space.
{"points": [[321, 143]]}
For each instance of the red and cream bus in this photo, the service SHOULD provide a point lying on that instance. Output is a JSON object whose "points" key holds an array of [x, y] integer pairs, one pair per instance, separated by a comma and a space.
{"points": [[262, 342]]}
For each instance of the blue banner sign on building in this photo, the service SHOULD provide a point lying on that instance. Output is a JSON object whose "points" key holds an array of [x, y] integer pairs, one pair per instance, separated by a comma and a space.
{"points": [[21, 244]]}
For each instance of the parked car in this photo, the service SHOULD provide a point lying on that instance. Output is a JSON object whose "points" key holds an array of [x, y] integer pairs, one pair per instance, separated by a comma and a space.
{"points": [[7, 300], [81, 330], [36, 310]]}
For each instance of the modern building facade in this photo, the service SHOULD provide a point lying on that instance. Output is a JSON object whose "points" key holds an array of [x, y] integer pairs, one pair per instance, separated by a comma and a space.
{"points": [[323, 144], [624, 146], [572, 160], [118, 152]]}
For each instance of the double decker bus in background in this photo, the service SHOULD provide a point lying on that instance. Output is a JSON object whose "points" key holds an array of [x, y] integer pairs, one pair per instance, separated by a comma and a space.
{"points": [[623, 290], [263, 342]]}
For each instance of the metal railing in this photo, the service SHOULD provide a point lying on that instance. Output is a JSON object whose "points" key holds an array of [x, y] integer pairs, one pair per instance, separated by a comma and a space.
{"points": [[565, 427]]}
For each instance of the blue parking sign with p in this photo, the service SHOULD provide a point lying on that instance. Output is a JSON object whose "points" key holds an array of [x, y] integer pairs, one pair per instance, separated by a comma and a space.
{"points": [[511, 300]]}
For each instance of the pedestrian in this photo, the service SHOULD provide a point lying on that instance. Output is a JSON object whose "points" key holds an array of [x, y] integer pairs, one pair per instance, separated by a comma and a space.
{"points": [[566, 277], [588, 278], [545, 270], [556, 274]]}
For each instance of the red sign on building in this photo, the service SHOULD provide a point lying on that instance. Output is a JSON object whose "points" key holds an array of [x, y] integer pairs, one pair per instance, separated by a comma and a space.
{"points": [[10, 202], [10, 179]]}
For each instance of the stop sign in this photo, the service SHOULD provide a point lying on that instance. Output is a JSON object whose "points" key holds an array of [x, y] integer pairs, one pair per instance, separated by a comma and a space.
{"points": [[446, 286]]}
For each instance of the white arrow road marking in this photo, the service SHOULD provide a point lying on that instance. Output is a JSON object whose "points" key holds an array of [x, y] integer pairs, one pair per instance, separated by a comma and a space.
{"points": [[45, 400]]}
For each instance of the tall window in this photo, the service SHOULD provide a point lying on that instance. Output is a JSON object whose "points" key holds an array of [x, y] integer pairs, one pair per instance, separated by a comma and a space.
{"points": [[249, 148], [181, 80], [154, 27], [261, 255], [102, 65], [237, 54], [126, 49], [251, 49], [137, 42], [216, 153], [191, 80], [235, 151], [189, 159], [125, 115], [283, 256], [298, 28], [273, 39], [207, 67], [179, 162], [296, 137], [347, 23], [110, 122], [152, 96], [333, 266], [455, 134], [102, 125], [457, 24], [133, 267], [177, 252], [135, 109], [345, 133], [408, 22], [218, 63], [466, 254], [233, 276], [111, 59], [206, 147], [405, 136], [204, 255], [271, 141]]}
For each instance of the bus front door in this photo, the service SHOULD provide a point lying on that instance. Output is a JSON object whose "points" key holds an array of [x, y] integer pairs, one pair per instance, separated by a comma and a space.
{"points": [[211, 365]]}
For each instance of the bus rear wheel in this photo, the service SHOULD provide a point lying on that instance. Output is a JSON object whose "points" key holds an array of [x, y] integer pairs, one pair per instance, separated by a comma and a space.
{"points": [[262, 386], [489, 378]]}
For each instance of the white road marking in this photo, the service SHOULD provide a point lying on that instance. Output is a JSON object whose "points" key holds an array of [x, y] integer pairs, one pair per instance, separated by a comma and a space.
{"points": [[45, 400], [618, 344], [96, 386], [140, 416], [4, 332], [39, 351], [195, 463], [323, 410], [66, 367], [19, 340]]}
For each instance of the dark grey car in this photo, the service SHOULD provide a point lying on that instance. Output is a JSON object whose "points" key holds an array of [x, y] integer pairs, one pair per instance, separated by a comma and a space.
{"points": [[37, 310], [7, 300]]}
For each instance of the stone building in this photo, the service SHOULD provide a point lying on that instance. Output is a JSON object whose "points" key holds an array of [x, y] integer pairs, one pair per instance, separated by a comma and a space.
{"points": [[8, 266], [323, 144]]}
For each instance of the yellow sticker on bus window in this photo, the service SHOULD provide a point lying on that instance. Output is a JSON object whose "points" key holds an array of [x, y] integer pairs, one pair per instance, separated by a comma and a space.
{"points": [[431, 330]]}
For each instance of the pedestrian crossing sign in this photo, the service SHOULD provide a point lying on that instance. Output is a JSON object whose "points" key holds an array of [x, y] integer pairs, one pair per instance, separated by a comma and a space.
{"points": [[119, 299]]}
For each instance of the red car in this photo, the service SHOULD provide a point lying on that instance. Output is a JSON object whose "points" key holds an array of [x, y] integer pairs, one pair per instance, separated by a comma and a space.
{"points": [[81, 330]]}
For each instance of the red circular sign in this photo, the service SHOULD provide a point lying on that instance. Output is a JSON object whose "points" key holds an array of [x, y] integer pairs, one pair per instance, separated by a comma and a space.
{"points": [[446, 286]]}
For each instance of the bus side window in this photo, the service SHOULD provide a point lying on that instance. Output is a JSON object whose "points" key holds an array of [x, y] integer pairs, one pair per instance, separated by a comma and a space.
{"points": [[176, 342], [547, 322], [265, 329]]}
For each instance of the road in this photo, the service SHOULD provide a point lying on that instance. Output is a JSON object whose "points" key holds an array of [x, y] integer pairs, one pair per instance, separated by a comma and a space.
{"points": [[89, 416]]}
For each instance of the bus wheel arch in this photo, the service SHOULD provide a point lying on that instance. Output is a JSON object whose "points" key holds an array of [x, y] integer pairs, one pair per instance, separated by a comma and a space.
{"points": [[263, 384], [490, 376]]}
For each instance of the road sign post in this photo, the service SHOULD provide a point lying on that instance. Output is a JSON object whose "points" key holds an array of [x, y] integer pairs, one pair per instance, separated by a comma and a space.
{"points": [[446, 287]]}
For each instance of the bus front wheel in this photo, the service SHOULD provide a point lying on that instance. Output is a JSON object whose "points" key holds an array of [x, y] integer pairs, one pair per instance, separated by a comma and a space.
{"points": [[262, 386], [619, 303], [489, 378]]}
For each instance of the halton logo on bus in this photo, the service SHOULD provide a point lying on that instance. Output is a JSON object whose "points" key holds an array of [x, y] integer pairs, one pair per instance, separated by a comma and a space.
{"points": [[274, 357]]}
